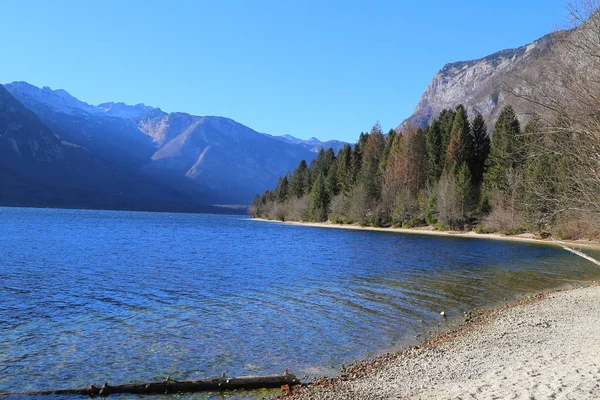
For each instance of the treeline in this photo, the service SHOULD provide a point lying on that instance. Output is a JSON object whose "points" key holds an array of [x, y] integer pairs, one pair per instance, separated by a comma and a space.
{"points": [[452, 175]]}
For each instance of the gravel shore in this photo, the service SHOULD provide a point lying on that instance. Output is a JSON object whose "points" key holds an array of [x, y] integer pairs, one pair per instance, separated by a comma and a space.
{"points": [[547, 347]]}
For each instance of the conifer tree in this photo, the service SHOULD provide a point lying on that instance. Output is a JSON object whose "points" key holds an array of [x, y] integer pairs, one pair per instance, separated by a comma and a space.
{"points": [[481, 148], [386, 150], [505, 151], [345, 169], [331, 181], [370, 174], [435, 153], [464, 188], [282, 189], [299, 182], [446, 119], [460, 148], [320, 199]]}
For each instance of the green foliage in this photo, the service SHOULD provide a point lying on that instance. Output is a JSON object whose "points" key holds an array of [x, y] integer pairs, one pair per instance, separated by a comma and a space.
{"points": [[447, 176], [505, 152], [435, 151], [430, 211], [386, 150], [464, 189], [320, 199], [460, 148], [481, 148], [299, 184]]}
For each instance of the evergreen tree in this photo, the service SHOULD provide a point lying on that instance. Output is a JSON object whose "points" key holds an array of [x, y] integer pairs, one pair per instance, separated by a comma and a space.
{"points": [[320, 199], [281, 192], [481, 148], [370, 174], [446, 119], [298, 186], [331, 181], [435, 152], [505, 150], [460, 148], [464, 188], [386, 150], [357, 157], [344, 169]]}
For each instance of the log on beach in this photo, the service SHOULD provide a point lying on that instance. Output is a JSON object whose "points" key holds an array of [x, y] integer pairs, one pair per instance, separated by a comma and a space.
{"points": [[172, 386]]}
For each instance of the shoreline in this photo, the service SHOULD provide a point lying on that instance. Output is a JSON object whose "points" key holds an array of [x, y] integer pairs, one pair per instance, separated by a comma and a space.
{"points": [[495, 353], [525, 238]]}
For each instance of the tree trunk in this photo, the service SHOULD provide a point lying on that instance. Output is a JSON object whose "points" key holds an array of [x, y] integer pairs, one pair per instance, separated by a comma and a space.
{"points": [[171, 386]]}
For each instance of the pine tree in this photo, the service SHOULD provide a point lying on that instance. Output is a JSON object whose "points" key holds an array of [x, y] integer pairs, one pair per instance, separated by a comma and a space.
{"points": [[446, 119], [464, 188], [370, 174], [300, 179], [505, 152], [435, 153], [320, 199], [281, 192], [481, 148], [386, 150], [331, 181], [460, 148], [344, 170]]}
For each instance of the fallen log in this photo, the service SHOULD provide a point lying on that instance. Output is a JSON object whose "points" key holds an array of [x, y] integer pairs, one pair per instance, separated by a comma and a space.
{"points": [[170, 386]]}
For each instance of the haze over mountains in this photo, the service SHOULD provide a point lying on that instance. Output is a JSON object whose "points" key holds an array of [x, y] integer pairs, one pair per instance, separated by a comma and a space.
{"points": [[203, 160]]}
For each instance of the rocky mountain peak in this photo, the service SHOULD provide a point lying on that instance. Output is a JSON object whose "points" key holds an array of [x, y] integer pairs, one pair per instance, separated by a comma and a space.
{"points": [[481, 85], [60, 100], [125, 111]]}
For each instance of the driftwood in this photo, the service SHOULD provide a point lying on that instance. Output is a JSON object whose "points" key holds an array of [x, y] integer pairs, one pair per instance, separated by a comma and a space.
{"points": [[172, 386], [579, 253]]}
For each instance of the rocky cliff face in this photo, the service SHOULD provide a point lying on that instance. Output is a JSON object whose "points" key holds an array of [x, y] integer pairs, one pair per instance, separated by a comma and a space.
{"points": [[482, 86]]}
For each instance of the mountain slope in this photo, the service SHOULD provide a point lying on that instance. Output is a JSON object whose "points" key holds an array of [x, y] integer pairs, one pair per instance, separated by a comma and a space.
{"points": [[225, 155], [217, 158], [38, 169], [481, 85], [313, 144]]}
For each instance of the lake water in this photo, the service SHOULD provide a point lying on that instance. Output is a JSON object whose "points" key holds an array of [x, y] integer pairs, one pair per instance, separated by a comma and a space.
{"points": [[88, 296]]}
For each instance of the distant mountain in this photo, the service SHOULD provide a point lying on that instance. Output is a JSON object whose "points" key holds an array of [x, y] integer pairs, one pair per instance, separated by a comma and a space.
{"points": [[313, 144], [220, 160], [38, 169], [226, 156], [481, 85], [125, 111]]}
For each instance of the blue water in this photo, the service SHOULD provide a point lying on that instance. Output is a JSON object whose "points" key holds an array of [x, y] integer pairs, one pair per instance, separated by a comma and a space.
{"points": [[89, 296]]}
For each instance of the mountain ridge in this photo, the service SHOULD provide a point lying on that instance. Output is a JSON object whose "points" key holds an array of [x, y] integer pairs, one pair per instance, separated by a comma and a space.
{"points": [[482, 85], [194, 150]]}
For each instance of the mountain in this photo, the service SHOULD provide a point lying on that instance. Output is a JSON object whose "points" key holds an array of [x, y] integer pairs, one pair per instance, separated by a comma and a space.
{"points": [[39, 169], [218, 159], [223, 154], [481, 85], [313, 144], [125, 111]]}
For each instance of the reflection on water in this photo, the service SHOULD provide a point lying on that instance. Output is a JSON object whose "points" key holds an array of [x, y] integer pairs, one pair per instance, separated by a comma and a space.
{"points": [[95, 295]]}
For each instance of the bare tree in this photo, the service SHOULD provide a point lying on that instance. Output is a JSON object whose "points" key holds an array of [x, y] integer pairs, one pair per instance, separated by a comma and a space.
{"points": [[564, 93]]}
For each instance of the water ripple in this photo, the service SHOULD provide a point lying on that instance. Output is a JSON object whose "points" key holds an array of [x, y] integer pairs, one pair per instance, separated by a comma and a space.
{"points": [[96, 295]]}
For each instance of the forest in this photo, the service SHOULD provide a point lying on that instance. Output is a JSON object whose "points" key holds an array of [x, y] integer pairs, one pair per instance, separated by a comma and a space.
{"points": [[534, 171]]}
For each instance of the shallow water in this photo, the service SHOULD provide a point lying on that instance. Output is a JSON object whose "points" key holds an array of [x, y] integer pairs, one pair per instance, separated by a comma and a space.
{"points": [[89, 296]]}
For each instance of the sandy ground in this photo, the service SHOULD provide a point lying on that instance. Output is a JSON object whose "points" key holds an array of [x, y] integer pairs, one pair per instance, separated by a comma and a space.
{"points": [[544, 348], [526, 237]]}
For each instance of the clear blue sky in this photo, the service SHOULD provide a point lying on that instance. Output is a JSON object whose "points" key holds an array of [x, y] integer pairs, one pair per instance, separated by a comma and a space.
{"points": [[307, 68]]}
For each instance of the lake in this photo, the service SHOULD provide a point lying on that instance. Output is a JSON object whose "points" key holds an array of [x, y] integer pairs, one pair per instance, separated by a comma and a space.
{"points": [[89, 296]]}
